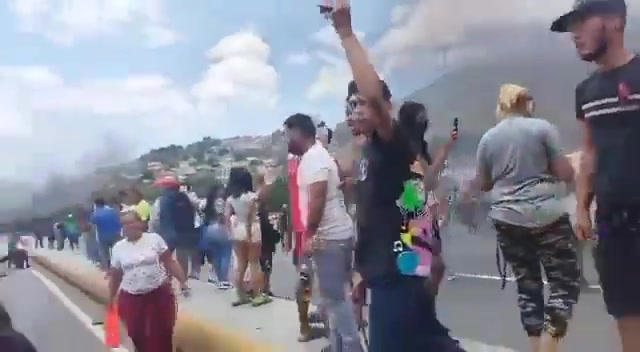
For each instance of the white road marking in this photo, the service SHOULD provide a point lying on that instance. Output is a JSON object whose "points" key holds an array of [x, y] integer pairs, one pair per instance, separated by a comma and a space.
{"points": [[75, 310], [453, 276]]}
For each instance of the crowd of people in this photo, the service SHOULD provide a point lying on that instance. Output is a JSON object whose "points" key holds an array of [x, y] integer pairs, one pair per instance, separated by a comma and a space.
{"points": [[371, 225]]}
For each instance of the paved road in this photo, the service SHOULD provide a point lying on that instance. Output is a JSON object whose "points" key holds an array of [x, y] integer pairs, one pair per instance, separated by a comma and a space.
{"points": [[45, 318], [473, 308]]}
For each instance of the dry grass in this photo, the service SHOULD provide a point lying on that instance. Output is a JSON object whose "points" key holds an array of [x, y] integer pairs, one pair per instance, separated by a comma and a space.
{"points": [[190, 335]]}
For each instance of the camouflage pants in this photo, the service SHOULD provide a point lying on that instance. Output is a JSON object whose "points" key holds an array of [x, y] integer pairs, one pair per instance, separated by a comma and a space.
{"points": [[526, 250]]}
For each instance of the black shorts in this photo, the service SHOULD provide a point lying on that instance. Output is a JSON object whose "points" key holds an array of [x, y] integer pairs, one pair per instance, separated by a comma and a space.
{"points": [[617, 259]]}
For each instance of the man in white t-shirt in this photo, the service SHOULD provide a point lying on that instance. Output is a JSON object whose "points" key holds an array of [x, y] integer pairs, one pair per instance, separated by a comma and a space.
{"points": [[329, 229]]}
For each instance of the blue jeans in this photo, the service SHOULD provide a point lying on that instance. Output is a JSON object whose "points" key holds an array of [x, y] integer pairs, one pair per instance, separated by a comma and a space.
{"points": [[332, 264], [402, 317], [105, 246], [91, 247], [219, 251]]}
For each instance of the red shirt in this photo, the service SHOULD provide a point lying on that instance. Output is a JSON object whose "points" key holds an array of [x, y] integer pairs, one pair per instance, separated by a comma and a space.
{"points": [[294, 201]]}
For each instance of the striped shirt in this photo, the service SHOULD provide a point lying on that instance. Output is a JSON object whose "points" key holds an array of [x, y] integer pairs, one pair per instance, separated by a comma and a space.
{"points": [[609, 103]]}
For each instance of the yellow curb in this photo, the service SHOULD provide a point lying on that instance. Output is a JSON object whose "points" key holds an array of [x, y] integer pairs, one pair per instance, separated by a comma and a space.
{"points": [[190, 335]]}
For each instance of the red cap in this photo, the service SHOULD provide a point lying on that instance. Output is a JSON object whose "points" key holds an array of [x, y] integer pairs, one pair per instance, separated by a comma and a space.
{"points": [[166, 181]]}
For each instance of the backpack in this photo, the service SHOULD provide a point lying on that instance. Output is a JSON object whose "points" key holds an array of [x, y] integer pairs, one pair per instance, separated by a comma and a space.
{"points": [[183, 213]]}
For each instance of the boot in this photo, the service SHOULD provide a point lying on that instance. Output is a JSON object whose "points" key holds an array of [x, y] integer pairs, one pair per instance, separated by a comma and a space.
{"points": [[303, 318]]}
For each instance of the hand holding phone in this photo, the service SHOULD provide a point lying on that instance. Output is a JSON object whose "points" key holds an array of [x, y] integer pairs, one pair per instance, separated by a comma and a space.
{"points": [[456, 126], [325, 9]]}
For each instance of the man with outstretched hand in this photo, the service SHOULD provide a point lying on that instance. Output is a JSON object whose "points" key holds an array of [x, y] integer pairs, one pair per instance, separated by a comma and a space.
{"points": [[608, 110], [402, 313]]}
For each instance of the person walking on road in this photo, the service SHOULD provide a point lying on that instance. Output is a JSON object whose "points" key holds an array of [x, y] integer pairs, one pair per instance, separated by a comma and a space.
{"points": [[608, 110], [402, 314], [521, 162], [72, 230], [328, 238], [176, 223], [140, 283], [218, 242], [106, 223], [245, 232]]}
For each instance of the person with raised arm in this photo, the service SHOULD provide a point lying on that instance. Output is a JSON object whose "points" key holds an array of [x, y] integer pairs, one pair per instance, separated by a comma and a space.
{"points": [[395, 236]]}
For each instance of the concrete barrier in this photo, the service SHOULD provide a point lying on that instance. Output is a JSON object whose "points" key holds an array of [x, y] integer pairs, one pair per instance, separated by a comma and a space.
{"points": [[190, 335]]}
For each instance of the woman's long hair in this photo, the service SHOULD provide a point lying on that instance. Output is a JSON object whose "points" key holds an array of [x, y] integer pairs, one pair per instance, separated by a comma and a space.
{"points": [[210, 212], [413, 121], [240, 182]]}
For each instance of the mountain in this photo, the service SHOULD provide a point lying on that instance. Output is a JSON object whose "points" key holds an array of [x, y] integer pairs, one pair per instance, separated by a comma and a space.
{"points": [[549, 69], [534, 58]]}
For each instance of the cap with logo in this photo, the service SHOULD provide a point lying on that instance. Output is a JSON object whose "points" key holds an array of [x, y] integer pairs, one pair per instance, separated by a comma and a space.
{"points": [[585, 8]]}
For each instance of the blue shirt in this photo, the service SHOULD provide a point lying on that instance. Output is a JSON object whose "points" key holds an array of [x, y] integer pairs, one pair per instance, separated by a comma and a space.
{"points": [[167, 229], [107, 222]]}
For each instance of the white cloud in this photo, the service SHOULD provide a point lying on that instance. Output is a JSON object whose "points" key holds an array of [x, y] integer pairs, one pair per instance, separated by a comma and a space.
{"points": [[330, 81], [56, 121], [159, 36], [421, 32], [69, 21], [334, 74], [428, 26], [240, 68], [302, 58]]}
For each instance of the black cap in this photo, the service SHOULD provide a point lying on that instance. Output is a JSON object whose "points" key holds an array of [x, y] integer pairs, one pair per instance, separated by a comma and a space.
{"points": [[588, 8], [353, 89]]}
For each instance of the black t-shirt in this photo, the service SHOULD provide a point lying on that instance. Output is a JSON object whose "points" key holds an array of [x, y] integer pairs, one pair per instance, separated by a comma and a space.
{"points": [[609, 102], [382, 173]]}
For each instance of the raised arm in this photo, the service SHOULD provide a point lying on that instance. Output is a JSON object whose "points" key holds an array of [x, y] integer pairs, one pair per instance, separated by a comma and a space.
{"points": [[364, 74]]}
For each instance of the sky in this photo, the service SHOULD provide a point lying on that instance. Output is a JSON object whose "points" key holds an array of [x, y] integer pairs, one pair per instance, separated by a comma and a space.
{"points": [[82, 80]]}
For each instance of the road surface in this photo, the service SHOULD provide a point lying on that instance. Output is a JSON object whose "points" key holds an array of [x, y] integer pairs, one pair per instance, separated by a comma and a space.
{"points": [[53, 315], [473, 305]]}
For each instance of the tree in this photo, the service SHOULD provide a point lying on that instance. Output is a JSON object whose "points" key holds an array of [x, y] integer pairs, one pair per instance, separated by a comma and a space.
{"points": [[147, 175], [279, 195], [238, 156]]}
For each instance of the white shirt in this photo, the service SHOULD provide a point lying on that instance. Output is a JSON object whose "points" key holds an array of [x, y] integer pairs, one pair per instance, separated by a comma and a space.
{"points": [[317, 165], [242, 205], [140, 263]]}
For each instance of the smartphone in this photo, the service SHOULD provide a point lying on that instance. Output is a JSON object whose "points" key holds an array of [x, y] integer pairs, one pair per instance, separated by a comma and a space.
{"points": [[324, 9], [456, 125]]}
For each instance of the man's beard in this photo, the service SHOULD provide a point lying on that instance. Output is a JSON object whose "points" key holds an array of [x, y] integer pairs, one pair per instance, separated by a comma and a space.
{"points": [[294, 149], [600, 50]]}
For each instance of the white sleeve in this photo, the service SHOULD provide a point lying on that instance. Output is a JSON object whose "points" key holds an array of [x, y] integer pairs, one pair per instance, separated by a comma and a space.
{"points": [[159, 244], [317, 169], [115, 257]]}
